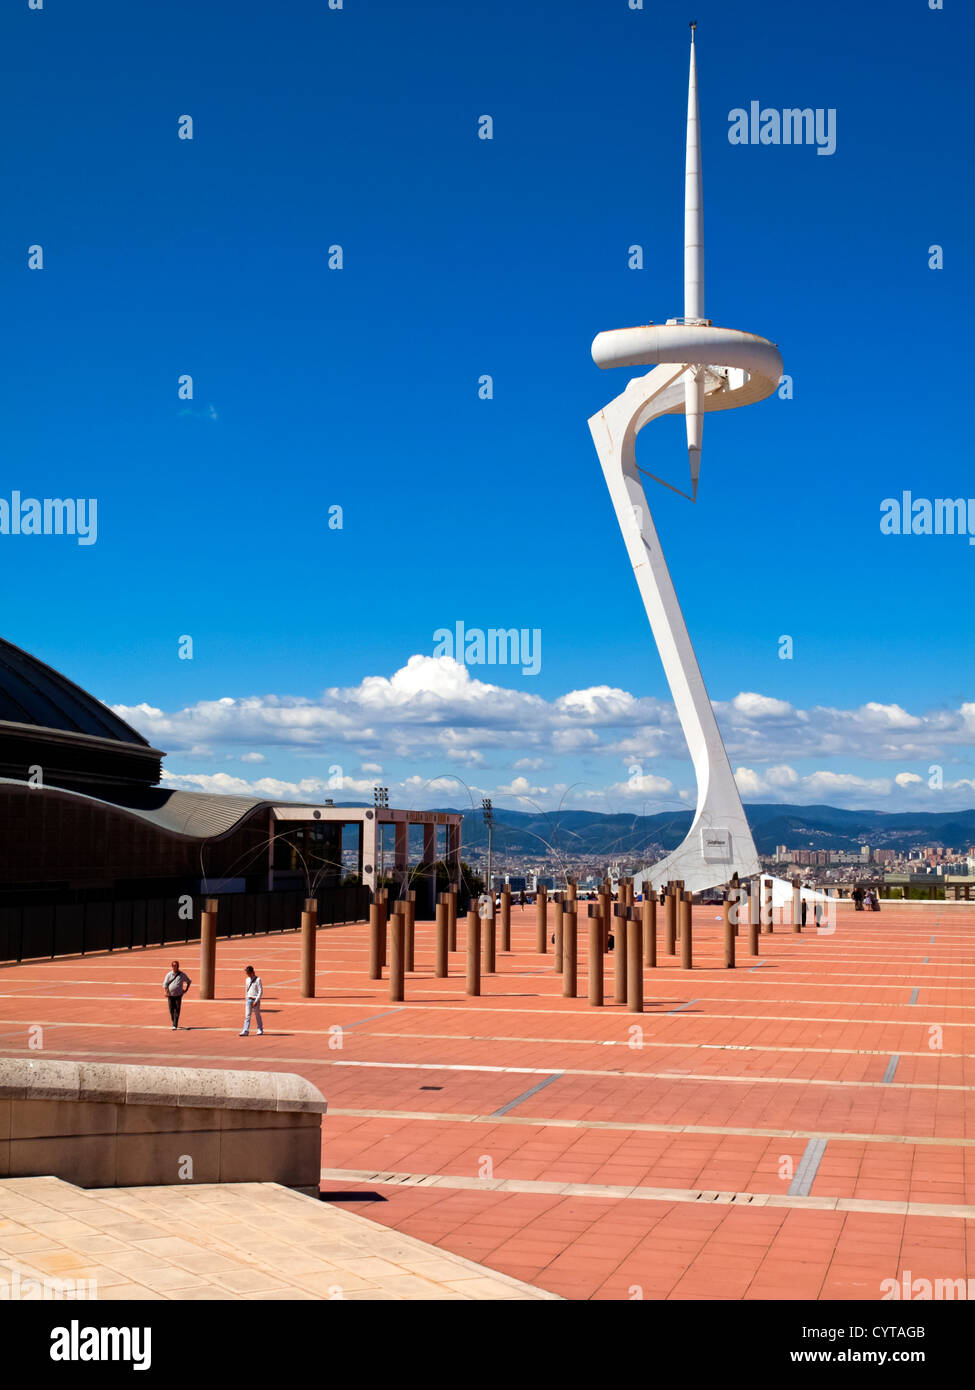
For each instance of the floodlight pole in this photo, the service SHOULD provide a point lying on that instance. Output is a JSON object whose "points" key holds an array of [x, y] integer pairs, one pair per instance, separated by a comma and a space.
{"points": [[380, 797], [488, 810]]}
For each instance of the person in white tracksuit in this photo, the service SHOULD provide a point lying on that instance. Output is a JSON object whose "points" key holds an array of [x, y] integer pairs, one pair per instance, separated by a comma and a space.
{"points": [[253, 990]]}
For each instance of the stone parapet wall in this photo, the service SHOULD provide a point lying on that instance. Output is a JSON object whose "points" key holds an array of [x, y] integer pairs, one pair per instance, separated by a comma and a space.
{"points": [[113, 1125]]}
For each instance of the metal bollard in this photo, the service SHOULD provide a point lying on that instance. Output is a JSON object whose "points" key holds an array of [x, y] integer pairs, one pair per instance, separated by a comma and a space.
{"points": [[685, 931], [595, 962], [621, 925], [382, 898], [452, 918], [208, 948], [605, 909], [649, 930], [570, 951], [559, 912], [753, 916], [397, 954], [506, 919], [736, 888], [309, 929], [473, 952], [541, 920], [410, 928], [634, 959], [767, 909], [440, 968], [488, 937], [670, 921], [796, 906], [377, 941]]}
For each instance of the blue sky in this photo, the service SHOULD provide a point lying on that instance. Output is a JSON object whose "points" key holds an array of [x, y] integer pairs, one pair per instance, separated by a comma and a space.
{"points": [[358, 387]]}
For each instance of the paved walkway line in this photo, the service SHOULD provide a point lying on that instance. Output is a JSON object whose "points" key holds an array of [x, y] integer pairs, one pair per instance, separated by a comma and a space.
{"points": [[662, 1043], [891, 1069], [722, 1078], [372, 1017], [533, 1090], [705, 1196], [646, 1127], [805, 1174], [460, 1001]]}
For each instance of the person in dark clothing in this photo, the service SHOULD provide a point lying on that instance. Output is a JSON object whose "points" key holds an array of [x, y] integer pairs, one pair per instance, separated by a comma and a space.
{"points": [[176, 983], [857, 896], [803, 912]]}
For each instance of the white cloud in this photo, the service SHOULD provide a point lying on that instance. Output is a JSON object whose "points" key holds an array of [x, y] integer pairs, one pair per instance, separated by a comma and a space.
{"points": [[815, 786], [749, 782], [830, 783], [760, 706], [602, 703], [434, 713], [782, 776], [521, 787], [639, 788], [267, 788], [569, 740], [889, 716]]}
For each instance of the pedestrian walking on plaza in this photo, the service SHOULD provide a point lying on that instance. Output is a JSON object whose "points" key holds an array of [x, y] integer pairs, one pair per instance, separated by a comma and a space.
{"points": [[176, 983], [253, 990]]}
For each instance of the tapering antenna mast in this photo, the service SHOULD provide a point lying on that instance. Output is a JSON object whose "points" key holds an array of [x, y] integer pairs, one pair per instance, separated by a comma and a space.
{"points": [[693, 202]]}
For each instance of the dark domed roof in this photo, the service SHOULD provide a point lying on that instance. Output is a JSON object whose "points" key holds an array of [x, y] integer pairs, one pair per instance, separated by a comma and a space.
{"points": [[32, 693]]}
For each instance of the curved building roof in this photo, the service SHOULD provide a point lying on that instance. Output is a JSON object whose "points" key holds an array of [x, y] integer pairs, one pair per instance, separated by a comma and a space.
{"points": [[199, 814], [32, 693], [196, 815]]}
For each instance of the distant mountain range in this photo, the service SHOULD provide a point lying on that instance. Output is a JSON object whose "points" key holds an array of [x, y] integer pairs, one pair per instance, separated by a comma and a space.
{"points": [[798, 827], [772, 823]]}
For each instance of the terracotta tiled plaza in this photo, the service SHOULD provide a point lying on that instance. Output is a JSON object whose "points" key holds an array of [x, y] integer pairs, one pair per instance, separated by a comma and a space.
{"points": [[799, 1127]]}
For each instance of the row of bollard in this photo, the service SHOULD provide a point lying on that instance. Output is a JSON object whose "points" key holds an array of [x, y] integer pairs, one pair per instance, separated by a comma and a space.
{"points": [[399, 926], [208, 947], [635, 939]]}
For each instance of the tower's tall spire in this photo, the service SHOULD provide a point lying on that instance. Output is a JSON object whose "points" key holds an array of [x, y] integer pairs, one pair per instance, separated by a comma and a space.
{"points": [[693, 270], [693, 203]]}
